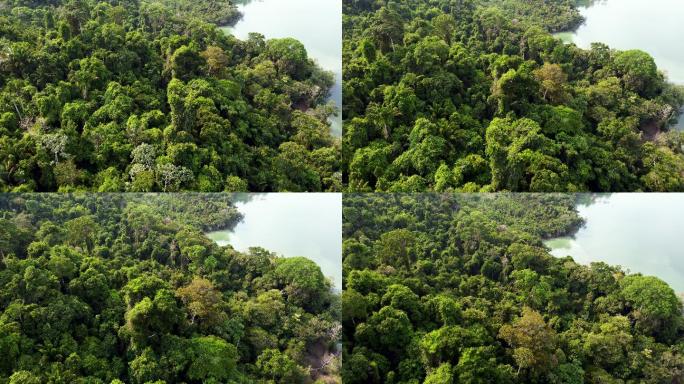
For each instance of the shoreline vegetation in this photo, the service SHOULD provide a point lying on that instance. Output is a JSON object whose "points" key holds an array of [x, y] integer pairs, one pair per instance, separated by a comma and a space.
{"points": [[126, 288], [479, 96], [571, 230], [592, 245], [565, 32], [151, 97], [222, 12], [456, 288]]}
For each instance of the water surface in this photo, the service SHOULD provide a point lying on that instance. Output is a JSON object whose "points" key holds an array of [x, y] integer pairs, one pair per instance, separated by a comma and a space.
{"points": [[292, 224], [316, 23], [640, 231]]}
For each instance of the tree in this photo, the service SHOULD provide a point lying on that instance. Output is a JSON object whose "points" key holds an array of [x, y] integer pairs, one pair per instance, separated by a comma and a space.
{"points": [[142, 321], [56, 144], [478, 365], [143, 286], [92, 74], [445, 27], [171, 177], [81, 231], [552, 80], [267, 310], [401, 297], [302, 281], [289, 55], [396, 247], [638, 70], [430, 54], [185, 63], [448, 311], [521, 157], [441, 375], [294, 169], [354, 306], [387, 29], [447, 343], [10, 337], [388, 330], [24, 377], [664, 170], [656, 308], [8, 233], [280, 368], [145, 367], [144, 155], [514, 90], [216, 59], [611, 344], [62, 266], [91, 286], [204, 303], [533, 342], [212, 358], [311, 132]]}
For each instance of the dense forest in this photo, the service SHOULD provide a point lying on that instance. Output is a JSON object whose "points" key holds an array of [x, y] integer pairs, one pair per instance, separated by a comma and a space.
{"points": [[151, 95], [478, 95], [125, 288], [446, 289]]}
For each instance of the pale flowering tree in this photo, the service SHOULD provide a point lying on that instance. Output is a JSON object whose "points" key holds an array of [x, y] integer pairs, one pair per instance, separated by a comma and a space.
{"points": [[144, 155], [136, 169], [172, 176], [55, 143]]}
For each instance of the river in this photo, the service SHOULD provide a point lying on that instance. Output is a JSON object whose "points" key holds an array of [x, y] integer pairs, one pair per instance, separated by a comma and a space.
{"points": [[316, 23], [640, 231], [291, 224], [654, 26]]}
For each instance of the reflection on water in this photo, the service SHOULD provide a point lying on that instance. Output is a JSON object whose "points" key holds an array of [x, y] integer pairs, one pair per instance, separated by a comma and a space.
{"points": [[641, 232], [316, 23], [292, 224]]}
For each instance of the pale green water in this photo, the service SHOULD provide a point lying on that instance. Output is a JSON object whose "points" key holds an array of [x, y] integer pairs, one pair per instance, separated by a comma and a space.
{"points": [[641, 232], [316, 23], [654, 26], [292, 224], [560, 243]]}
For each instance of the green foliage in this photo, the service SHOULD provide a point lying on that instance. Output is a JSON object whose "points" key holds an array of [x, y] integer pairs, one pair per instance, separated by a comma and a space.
{"points": [[479, 96], [441, 375], [481, 300], [279, 367], [302, 281], [126, 288], [655, 306], [145, 96], [212, 358]]}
